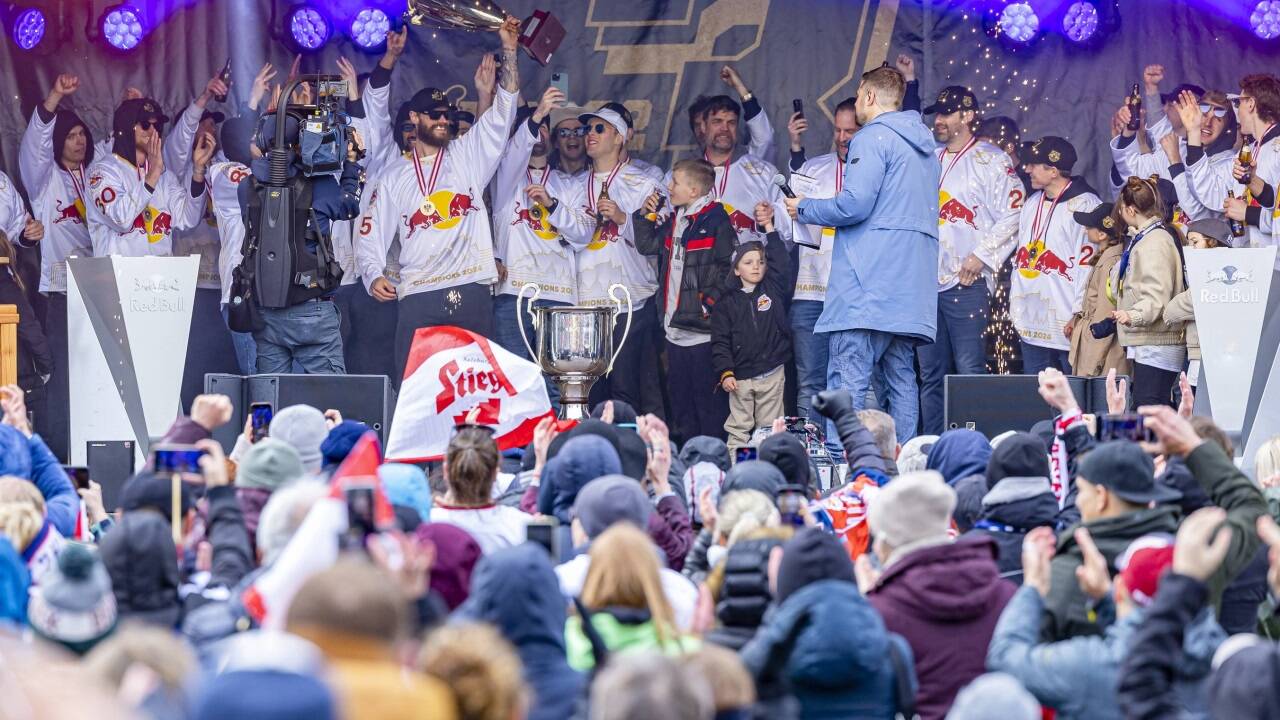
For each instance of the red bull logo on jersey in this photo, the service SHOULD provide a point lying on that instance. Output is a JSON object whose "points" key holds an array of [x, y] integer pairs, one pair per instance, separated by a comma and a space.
{"points": [[442, 210], [74, 212], [951, 210], [740, 221], [157, 225], [1034, 258], [537, 219], [606, 232]]}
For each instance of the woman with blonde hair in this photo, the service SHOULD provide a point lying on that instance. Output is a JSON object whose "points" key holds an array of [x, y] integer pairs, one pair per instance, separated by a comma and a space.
{"points": [[23, 520], [623, 600]]}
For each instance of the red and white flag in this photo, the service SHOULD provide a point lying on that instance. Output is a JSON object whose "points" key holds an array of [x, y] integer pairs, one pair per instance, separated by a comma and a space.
{"points": [[452, 371]]}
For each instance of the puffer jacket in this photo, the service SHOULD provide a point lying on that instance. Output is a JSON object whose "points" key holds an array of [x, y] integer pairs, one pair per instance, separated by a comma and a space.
{"points": [[831, 646], [744, 595], [1010, 510], [1153, 278], [707, 241]]}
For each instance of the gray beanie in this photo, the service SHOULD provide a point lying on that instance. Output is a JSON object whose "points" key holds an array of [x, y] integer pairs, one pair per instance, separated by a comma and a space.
{"points": [[994, 696], [911, 508], [74, 604], [611, 499], [269, 464], [303, 427]]}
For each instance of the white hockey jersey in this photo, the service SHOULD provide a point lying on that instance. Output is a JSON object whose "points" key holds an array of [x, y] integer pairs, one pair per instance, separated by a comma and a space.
{"points": [[58, 199], [820, 177], [13, 214], [223, 182], [127, 219], [748, 181], [1051, 265], [978, 201]]}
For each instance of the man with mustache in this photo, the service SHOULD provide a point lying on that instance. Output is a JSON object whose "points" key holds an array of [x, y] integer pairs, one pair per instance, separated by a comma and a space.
{"points": [[742, 179], [979, 196], [434, 200]]}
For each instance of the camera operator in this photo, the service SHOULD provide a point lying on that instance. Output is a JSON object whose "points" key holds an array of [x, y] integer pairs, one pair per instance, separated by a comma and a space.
{"points": [[306, 329]]}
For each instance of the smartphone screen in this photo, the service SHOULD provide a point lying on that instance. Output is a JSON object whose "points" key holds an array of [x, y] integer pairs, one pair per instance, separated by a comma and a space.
{"points": [[746, 453], [1123, 426], [79, 476], [176, 459], [543, 533], [260, 415]]}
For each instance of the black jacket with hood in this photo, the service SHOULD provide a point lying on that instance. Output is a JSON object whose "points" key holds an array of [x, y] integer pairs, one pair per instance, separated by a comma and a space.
{"points": [[751, 331], [708, 241]]}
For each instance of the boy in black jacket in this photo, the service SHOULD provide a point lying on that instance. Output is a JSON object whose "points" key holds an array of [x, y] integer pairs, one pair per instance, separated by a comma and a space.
{"points": [[751, 336], [692, 276]]}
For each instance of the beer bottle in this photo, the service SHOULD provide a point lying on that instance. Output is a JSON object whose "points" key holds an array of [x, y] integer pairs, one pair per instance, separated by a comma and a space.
{"points": [[1237, 227], [604, 195], [1246, 159], [1134, 103]]}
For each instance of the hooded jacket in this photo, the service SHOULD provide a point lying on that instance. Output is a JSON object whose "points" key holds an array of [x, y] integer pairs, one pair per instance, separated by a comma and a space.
{"points": [[959, 454], [142, 561], [1079, 677], [884, 259], [832, 648], [581, 460], [516, 590], [945, 600], [1014, 507], [704, 448], [30, 459]]}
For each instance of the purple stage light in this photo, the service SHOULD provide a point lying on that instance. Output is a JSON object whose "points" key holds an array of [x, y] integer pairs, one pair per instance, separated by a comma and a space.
{"points": [[309, 28], [122, 27], [1081, 21], [369, 28], [28, 28], [1019, 22], [1265, 19]]}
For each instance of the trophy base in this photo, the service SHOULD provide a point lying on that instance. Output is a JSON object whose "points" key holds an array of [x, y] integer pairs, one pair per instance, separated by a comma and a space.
{"points": [[573, 397]]}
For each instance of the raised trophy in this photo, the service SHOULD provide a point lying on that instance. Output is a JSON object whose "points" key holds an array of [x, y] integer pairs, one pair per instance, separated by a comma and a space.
{"points": [[540, 33], [574, 344]]}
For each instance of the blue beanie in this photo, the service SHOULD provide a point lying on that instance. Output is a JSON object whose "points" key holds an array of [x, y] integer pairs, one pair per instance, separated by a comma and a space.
{"points": [[15, 453], [338, 443]]}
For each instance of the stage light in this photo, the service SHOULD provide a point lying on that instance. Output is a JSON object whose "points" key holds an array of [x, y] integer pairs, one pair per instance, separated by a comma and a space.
{"points": [[1080, 22], [309, 28], [369, 29], [28, 28], [1265, 19], [1019, 22], [122, 27]]}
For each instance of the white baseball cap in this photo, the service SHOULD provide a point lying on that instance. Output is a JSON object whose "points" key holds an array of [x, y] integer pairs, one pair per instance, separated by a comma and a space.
{"points": [[608, 116]]}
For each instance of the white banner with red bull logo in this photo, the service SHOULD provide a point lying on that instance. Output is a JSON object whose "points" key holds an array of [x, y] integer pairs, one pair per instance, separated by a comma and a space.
{"points": [[451, 372]]}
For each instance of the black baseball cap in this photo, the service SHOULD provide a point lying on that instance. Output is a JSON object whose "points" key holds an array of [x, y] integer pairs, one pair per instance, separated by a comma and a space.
{"points": [[622, 111], [1123, 468], [213, 115], [1166, 98], [428, 99], [132, 112], [1053, 151], [1098, 218], [953, 98]]}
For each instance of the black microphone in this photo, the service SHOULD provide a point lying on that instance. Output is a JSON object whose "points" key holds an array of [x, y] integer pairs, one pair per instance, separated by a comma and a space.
{"points": [[781, 182]]}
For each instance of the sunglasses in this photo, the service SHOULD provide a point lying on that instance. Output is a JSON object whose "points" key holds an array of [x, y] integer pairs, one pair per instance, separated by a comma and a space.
{"points": [[1235, 102], [148, 124], [438, 114], [571, 132], [598, 128], [1218, 112]]}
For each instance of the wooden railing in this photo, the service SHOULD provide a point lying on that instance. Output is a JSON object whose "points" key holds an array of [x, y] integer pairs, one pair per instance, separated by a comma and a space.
{"points": [[8, 341]]}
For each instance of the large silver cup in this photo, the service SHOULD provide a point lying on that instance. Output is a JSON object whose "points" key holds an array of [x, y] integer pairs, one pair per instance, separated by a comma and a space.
{"points": [[574, 345], [540, 34]]}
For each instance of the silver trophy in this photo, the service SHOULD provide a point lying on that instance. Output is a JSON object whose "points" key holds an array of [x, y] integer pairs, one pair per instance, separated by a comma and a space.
{"points": [[574, 344], [540, 34]]}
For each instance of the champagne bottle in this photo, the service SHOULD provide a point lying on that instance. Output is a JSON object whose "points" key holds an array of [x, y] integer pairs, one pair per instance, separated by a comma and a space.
{"points": [[1237, 227], [1246, 159], [1134, 103]]}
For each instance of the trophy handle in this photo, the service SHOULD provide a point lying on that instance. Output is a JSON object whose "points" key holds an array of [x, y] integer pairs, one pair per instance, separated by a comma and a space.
{"points": [[537, 291], [626, 330]]}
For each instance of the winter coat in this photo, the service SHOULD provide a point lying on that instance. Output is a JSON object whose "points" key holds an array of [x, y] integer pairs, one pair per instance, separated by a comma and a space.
{"points": [[708, 241], [1079, 677], [744, 594], [1159, 677], [945, 601], [751, 330], [30, 459], [35, 360], [580, 461], [1227, 488], [1090, 356], [832, 648], [516, 590], [622, 630], [1010, 510], [671, 531], [1153, 278], [143, 564], [1181, 311], [959, 454], [884, 258]]}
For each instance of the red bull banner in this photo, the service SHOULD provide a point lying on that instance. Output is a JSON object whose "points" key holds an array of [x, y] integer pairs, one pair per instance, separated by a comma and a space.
{"points": [[452, 372]]}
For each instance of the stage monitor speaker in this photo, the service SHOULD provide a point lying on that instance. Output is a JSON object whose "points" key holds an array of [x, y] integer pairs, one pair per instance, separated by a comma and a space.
{"points": [[110, 464], [366, 398], [233, 386], [1096, 400], [993, 404]]}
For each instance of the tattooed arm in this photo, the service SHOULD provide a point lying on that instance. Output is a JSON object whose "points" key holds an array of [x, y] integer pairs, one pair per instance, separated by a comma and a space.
{"points": [[509, 74]]}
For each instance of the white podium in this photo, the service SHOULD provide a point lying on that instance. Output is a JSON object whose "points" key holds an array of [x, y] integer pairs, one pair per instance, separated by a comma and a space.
{"points": [[127, 324]]}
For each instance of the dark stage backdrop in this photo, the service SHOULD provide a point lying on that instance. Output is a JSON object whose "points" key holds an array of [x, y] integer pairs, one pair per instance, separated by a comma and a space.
{"points": [[656, 55]]}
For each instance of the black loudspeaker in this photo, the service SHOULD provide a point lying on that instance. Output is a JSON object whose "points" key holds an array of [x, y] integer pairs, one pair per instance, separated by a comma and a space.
{"points": [[1096, 402], [366, 398], [992, 404], [110, 463]]}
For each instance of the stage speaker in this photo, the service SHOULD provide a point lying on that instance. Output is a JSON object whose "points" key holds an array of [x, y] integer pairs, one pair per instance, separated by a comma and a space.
{"points": [[1096, 402], [110, 463], [992, 404], [366, 398], [233, 386]]}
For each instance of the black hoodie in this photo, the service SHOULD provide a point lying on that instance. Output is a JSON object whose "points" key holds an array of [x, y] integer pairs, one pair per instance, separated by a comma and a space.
{"points": [[64, 122], [750, 331]]}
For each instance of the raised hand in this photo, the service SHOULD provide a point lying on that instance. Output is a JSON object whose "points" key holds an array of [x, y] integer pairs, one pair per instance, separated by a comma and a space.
{"points": [[261, 84], [1152, 76], [764, 216], [551, 98], [1186, 405], [796, 128], [203, 153], [1038, 547], [510, 32], [731, 78], [1117, 393], [1172, 149], [1057, 392], [395, 47], [1174, 434], [1093, 575], [486, 78], [214, 88], [907, 66], [543, 434], [1189, 112], [349, 74], [1202, 543]]}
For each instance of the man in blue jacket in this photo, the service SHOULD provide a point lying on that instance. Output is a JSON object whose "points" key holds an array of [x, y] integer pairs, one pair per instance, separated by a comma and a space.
{"points": [[881, 299]]}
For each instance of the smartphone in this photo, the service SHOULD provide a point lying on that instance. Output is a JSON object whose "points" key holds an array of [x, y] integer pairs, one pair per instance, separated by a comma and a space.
{"points": [[360, 508], [791, 503], [1123, 426], [745, 453], [545, 532], [260, 414], [79, 476], [702, 481], [797, 106], [560, 81], [176, 459]]}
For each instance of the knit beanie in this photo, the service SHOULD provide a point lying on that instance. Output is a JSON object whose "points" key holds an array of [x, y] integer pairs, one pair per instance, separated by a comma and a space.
{"points": [[269, 464], [1019, 455], [303, 427], [913, 507], [915, 453], [812, 555], [994, 695], [74, 605], [338, 443]]}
